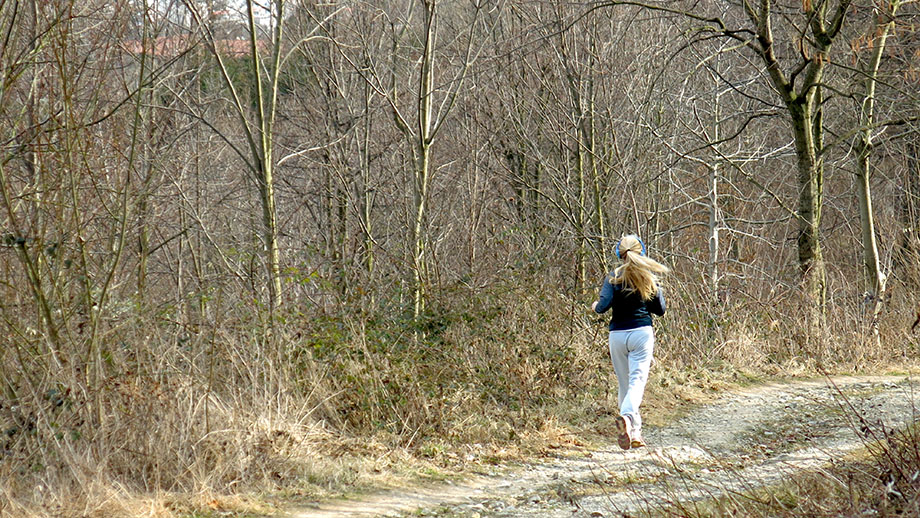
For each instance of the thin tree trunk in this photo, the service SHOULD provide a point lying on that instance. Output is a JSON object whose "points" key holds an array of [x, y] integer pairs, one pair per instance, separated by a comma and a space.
{"points": [[366, 197], [259, 135], [591, 141], [266, 105], [864, 149], [714, 172], [581, 222], [341, 199], [270, 232], [418, 238], [423, 161], [909, 248]]}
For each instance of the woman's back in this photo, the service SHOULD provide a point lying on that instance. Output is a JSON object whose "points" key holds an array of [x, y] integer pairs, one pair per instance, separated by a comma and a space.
{"points": [[628, 309]]}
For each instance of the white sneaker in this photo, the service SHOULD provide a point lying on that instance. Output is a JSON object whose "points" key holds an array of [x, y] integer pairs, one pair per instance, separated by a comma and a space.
{"points": [[636, 439]]}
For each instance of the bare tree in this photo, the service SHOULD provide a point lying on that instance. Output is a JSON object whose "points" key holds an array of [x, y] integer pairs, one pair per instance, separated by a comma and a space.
{"points": [[795, 65], [421, 114], [258, 128], [882, 25]]}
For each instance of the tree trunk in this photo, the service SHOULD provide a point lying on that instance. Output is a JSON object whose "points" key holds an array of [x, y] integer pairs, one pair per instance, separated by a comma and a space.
{"points": [[811, 260], [270, 232], [366, 196], [418, 228], [581, 222], [803, 103], [423, 160], [266, 106], [909, 249], [591, 140], [714, 171], [864, 148]]}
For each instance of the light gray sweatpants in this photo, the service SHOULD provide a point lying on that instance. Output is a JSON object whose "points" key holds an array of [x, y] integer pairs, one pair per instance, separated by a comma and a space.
{"points": [[631, 352]]}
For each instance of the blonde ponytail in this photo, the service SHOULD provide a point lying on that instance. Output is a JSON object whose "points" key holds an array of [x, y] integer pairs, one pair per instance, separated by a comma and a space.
{"points": [[638, 271]]}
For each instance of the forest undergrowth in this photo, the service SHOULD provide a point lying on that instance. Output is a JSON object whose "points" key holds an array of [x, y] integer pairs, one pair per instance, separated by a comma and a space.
{"points": [[228, 418]]}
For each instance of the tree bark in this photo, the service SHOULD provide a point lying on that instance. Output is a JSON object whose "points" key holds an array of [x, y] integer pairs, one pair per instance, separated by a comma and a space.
{"points": [[864, 149], [811, 260], [423, 161]]}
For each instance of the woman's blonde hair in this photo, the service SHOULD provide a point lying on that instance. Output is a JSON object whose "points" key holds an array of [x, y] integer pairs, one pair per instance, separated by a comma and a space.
{"points": [[638, 272]]}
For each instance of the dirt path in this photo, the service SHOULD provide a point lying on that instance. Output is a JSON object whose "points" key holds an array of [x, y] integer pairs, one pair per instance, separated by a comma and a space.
{"points": [[750, 438]]}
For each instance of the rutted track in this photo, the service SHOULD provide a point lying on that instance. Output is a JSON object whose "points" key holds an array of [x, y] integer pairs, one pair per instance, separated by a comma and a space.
{"points": [[750, 438]]}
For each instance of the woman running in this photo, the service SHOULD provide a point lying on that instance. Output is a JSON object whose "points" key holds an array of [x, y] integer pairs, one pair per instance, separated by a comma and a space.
{"points": [[632, 294]]}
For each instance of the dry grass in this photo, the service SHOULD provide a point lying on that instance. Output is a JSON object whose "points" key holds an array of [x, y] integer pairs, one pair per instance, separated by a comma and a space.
{"points": [[182, 423]]}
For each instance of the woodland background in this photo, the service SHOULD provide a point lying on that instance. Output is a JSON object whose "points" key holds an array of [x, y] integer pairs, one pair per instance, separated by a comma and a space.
{"points": [[236, 236]]}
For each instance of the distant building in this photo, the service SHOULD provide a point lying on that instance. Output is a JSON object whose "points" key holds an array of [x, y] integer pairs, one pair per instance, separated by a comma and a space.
{"points": [[172, 46]]}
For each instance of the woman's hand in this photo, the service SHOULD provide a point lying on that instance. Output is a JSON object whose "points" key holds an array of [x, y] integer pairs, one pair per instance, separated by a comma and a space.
{"points": [[593, 305]]}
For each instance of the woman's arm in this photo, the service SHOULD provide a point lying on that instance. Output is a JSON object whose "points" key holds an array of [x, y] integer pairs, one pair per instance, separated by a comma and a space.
{"points": [[656, 305], [605, 298]]}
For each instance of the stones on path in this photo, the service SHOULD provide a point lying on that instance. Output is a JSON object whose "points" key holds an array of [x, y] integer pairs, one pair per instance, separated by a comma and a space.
{"points": [[751, 438]]}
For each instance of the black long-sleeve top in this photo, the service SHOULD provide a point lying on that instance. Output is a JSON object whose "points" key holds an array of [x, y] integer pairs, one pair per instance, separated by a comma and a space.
{"points": [[629, 311]]}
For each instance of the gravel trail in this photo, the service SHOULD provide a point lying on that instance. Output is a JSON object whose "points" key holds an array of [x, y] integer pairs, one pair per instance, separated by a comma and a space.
{"points": [[749, 438]]}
